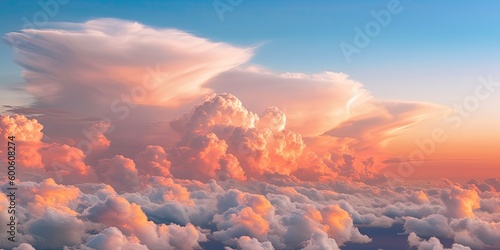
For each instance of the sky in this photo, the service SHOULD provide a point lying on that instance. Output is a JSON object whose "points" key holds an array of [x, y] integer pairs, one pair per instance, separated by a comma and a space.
{"points": [[443, 45], [250, 124], [430, 52]]}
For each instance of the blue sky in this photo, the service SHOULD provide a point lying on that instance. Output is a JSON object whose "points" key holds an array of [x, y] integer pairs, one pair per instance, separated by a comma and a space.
{"points": [[431, 51]]}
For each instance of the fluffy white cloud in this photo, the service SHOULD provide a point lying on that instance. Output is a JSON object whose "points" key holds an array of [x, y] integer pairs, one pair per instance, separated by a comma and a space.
{"points": [[319, 240], [432, 225], [55, 229], [24, 246], [432, 244], [247, 243], [476, 233], [112, 239]]}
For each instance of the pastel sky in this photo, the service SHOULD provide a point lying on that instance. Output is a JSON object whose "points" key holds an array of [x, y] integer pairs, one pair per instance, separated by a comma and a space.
{"points": [[252, 124]]}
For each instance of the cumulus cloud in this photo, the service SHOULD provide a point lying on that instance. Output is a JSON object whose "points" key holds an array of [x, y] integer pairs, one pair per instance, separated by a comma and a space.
{"points": [[119, 172], [67, 162], [476, 233], [55, 229], [237, 222], [419, 197], [221, 139], [113, 239], [40, 159], [326, 103], [49, 194], [222, 135], [319, 240], [27, 133], [432, 225], [247, 243], [24, 246], [131, 220], [301, 224], [460, 202], [153, 162], [432, 244], [169, 213]]}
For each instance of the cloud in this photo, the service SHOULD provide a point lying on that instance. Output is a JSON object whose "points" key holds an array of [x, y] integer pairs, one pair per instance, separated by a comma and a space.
{"points": [[168, 213], [24, 246], [40, 159], [319, 240], [139, 78], [336, 222], [67, 162], [27, 133], [221, 139], [432, 244], [131, 220], [240, 221], [327, 103], [55, 229], [119, 63], [216, 112], [247, 243], [460, 203], [491, 184], [222, 135], [330, 91], [419, 198], [119, 172], [112, 238], [476, 233], [432, 225], [339, 225], [111, 71], [49, 194], [153, 162], [200, 158]]}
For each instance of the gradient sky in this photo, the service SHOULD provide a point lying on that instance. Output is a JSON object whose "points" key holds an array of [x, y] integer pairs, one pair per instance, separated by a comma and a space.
{"points": [[429, 52]]}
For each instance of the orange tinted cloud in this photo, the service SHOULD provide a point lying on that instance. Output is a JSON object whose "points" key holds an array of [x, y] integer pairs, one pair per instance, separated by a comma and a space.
{"points": [[460, 203]]}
